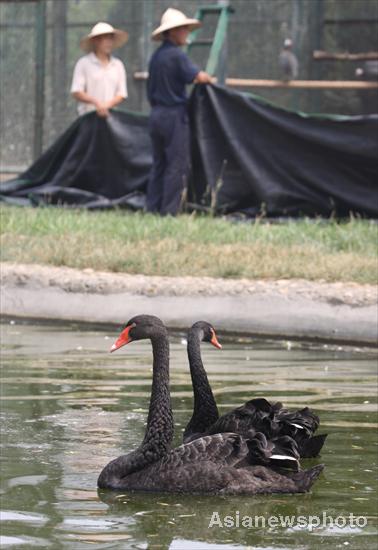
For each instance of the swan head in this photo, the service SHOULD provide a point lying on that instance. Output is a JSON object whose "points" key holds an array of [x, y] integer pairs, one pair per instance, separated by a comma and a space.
{"points": [[139, 327], [206, 333]]}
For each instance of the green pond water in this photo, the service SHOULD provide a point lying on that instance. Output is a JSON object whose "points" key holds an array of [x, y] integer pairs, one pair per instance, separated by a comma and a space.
{"points": [[68, 407]]}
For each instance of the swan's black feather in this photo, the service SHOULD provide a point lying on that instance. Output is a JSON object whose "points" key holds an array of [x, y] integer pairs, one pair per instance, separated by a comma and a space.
{"points": [[256, 415]]}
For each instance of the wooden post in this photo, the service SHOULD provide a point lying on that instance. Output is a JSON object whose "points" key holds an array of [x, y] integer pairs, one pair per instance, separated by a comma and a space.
{"points": [[310, 84], [320, 55]]}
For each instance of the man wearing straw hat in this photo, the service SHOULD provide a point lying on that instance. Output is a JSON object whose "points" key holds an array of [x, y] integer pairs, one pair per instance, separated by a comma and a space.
{"points": [[99, 79], [170, 70]]}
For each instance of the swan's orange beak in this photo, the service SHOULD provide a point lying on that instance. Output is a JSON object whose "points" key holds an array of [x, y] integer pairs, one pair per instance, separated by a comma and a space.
{"points": [[123, 339], [214, 340]]}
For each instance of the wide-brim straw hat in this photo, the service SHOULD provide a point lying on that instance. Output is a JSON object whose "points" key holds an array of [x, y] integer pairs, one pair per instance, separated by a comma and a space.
{"points": [[120, 37], [172, 19]]}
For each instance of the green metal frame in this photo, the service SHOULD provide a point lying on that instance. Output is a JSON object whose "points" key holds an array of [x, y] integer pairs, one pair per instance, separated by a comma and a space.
{"points": [[215, 59]]}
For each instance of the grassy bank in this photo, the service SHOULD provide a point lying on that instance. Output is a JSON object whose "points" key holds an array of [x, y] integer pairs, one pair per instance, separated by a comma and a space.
{"points": [[189, 245]]}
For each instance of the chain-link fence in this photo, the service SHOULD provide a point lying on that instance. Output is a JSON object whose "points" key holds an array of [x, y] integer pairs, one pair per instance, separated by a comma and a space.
{"points": [[40, 45]]}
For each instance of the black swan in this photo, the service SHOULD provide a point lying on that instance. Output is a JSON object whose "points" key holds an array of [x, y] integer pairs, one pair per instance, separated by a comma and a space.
{"points": [[257, 415], [224, 463]]}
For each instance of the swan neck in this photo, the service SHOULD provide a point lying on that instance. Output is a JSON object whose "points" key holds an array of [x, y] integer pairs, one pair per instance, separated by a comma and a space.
{"points": [[159, 431], [205, 408], [159, 428]]}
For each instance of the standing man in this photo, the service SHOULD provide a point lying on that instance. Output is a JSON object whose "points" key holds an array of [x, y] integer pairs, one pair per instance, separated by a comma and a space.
{"points": [[99, 79], [170, 70]]}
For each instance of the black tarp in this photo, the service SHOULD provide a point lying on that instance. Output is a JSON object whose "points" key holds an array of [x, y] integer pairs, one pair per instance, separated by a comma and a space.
{"points": [[254, 154], [291, 162], [96, 163]]}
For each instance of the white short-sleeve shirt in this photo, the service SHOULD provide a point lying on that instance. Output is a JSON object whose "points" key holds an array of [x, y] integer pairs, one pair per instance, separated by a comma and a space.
{"points": [[102, 82]]}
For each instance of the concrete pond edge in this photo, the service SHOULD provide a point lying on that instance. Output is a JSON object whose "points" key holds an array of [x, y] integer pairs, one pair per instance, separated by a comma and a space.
{"points": [[308, 311]]}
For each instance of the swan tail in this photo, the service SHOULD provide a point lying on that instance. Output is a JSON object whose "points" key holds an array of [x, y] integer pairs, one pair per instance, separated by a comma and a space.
{"points": [[305, 479], [310, 448]]}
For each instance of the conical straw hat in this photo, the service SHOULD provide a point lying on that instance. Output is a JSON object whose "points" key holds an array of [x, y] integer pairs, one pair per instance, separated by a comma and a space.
{"points": [[171, 19], [120, 37]]}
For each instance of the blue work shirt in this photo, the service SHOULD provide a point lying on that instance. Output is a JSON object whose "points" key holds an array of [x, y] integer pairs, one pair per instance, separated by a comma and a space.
{"points": [[170, 70]]}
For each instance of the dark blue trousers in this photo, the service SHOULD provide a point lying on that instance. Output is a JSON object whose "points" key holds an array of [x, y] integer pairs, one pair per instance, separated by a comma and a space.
{"points": [[169, 130]]}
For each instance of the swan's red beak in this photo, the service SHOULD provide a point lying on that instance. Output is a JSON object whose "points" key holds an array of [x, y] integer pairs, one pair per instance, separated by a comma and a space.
{"points": [[214, 340], [123, 339]]}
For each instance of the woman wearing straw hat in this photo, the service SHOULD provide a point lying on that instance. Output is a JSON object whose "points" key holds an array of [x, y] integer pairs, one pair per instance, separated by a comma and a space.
{"points": [[170, 70], [99, 79]]}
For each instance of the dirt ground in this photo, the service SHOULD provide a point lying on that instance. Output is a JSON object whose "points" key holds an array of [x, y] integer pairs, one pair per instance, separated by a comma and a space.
{"points": [[92, 282]]}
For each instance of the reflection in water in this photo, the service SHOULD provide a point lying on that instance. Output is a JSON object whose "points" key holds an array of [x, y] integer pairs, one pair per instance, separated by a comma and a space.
{"points": [[68, 407]]}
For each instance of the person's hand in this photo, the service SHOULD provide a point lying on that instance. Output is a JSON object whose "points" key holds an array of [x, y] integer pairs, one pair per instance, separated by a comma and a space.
{"points": [[203, 78], [102, 110]]}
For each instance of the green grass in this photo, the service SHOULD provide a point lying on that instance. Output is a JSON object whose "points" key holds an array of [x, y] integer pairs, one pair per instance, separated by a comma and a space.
{"points": [[121, 241]]}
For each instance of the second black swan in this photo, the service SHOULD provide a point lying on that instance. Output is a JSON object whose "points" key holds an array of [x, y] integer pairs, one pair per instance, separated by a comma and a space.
{"points": [[224, 463], [256, 415]]}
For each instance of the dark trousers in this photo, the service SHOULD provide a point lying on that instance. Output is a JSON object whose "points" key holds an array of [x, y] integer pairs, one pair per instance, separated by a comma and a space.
{"points": [[169, 131]]}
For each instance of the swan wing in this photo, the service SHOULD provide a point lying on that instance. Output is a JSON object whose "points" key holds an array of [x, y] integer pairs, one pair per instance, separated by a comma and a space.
{"points": [[231, 449], [256, 415], [221, 448]]}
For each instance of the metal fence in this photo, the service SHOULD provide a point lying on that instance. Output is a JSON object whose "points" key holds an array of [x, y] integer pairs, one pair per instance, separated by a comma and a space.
{"points": [[40, 45]]}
